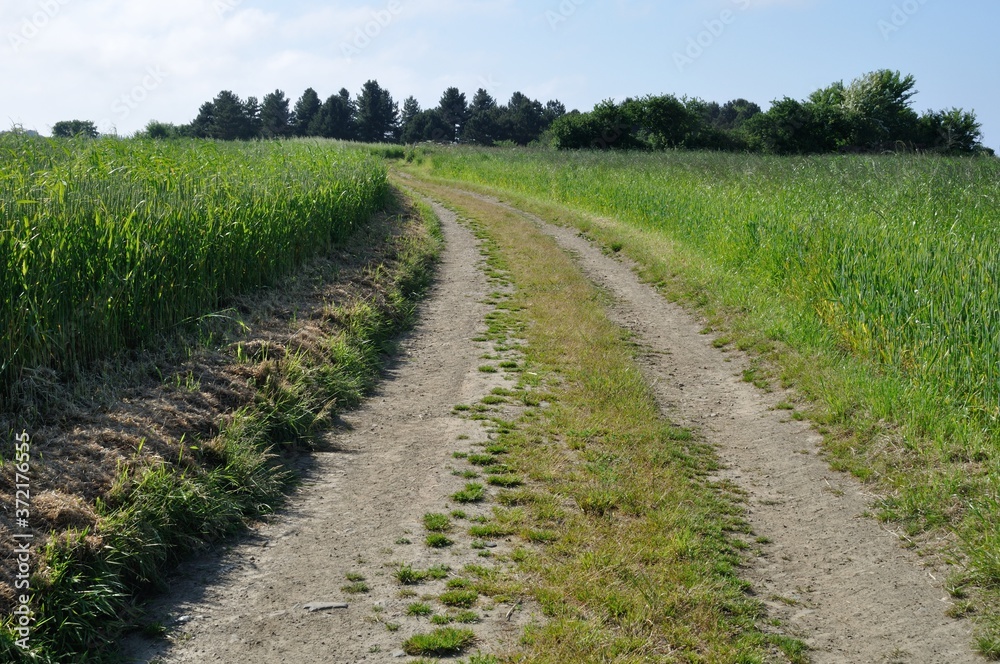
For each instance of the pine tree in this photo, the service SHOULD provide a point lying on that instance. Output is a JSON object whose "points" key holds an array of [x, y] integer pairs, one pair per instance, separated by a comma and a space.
{"points": [[453, 108], [335, 119], [275, 116], [377, 115], [306, 109]]}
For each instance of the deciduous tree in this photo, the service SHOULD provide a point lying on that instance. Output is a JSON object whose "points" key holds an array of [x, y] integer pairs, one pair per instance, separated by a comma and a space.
{"points": [[71, 128]]}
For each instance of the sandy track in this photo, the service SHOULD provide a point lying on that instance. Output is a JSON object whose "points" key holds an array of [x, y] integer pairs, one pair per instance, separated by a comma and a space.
{"points": [[390, 466], [835, 579]]}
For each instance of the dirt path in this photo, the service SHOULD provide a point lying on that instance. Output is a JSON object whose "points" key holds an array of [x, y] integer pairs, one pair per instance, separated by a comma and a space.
{"points": [[360, 505], [835, 579]]}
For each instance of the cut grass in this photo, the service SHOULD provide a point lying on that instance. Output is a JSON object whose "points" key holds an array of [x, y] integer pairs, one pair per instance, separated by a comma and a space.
{"points": [[480, 459], [659, 577], [490, 531], [462, 617], [541, 536], [438, 572], [467, 617]]}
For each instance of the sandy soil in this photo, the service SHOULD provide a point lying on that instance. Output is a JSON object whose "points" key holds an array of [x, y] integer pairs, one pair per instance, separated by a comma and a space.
{"points": [[389, 465], [837, 580]]}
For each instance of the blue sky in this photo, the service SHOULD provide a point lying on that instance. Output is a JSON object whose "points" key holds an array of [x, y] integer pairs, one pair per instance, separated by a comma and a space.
{"points": [[122, 63]]}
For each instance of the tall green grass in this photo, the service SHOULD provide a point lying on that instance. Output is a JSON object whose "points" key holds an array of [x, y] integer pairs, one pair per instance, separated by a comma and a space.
{"points": [[106, 244], [897, 257]]}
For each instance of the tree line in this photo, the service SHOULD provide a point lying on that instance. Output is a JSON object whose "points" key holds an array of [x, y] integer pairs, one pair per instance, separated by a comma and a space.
{"points": [[372, 117], [874, 113]]}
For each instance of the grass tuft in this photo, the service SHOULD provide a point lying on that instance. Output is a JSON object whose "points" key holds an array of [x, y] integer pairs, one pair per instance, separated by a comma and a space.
{"points": [[438, 541], [505, 481], [472, 493], [437, 523], [444, 642], [459, 598], [356, 588], [408, 576], [419, 609]]}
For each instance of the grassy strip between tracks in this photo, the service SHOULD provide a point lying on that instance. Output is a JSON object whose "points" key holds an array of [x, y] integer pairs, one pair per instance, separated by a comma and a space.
{"points": [[640, 552], [161, 509]]}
